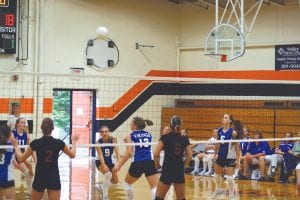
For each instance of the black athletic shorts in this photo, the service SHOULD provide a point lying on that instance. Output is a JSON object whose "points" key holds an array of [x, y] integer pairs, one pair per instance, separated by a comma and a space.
{"points": [[40, 184], [147, 167], [168, 179], [224, 162], [110, 166], [7, 184]]}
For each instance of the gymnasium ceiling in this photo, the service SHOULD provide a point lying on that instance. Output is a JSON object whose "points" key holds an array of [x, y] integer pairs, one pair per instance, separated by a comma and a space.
{"points": [[222, 3]]}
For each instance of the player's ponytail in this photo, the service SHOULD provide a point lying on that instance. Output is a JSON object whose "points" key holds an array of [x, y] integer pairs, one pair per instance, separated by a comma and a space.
{"points": [[148, 122], [47, 126], [141, 123], [4, 135], [238, 127]]}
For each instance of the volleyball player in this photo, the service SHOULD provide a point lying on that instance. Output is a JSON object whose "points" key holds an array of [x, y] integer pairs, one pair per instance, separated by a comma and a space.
{"points": [[174, 145], [46, 172], [224, 157], [21, 135], [7, 183], [142, 162], [104, 163]]}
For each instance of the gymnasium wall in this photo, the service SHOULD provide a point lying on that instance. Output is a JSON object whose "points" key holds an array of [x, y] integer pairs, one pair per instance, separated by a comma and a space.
{"points": [[274, 25], [70, 23]]}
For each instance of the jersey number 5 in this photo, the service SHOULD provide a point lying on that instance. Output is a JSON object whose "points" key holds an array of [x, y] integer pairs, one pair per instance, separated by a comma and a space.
{"points": [[2, 159], [177, 149], [49, 155]]}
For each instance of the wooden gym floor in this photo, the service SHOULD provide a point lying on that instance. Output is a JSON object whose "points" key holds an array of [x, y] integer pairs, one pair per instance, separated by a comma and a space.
{"points": [[80, 181]]}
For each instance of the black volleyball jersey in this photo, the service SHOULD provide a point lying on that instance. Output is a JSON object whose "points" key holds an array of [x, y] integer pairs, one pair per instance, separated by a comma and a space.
{"points": [[174, 146], [47, 150]]}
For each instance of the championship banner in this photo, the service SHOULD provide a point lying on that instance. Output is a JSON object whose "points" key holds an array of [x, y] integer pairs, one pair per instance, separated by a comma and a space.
{"points": [[287, 57]]}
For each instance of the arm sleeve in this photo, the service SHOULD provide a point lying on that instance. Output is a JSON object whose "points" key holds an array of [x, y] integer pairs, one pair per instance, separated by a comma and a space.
{"points": [[163, 139], [61, 145], [33, 145]]}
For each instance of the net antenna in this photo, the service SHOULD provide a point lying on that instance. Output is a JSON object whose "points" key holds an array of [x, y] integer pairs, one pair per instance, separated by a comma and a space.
{"points": [[233, 23]]}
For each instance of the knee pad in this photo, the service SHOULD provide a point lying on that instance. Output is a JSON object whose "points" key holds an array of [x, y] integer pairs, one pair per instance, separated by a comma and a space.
{"points": [[196, 158], [205, 159]]}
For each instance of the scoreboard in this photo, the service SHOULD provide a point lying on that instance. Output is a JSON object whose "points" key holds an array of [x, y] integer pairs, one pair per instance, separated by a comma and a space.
{"points": [[8, 27]]}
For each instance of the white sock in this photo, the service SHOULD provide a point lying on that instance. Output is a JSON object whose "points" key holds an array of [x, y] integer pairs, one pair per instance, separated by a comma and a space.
{"points": [[218, 180], [236, 172], [107, 177], [197, 161], [231, 185], [28, 181], [204, 166], [153, 193], [129, 191], [209, 163]]}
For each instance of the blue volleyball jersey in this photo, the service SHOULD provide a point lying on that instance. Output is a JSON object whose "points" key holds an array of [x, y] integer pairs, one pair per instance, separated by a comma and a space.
{"points": [[285, 147], [107, 152], [6, 163], [244, 147], [261, 147], [223, 150], [142, 151], [21, 138]]}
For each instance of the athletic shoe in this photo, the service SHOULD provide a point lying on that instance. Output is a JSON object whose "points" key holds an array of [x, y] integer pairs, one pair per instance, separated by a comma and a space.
{"points": [[235, 176], [273, 171], [242, 177], [202, 173], [208, 173], [213, 175], [226, 176], [261, 179], [195, 172]]}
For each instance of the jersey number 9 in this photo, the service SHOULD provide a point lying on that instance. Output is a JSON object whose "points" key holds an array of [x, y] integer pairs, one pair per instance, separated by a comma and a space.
{"points": [[106, 152]]}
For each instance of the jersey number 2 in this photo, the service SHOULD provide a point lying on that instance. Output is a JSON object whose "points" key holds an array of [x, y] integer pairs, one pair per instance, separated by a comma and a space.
{"points": [[49, 155]]}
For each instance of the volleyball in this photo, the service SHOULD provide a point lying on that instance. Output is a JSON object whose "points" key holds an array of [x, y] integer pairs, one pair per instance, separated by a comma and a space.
{"points": [[101, 32]]}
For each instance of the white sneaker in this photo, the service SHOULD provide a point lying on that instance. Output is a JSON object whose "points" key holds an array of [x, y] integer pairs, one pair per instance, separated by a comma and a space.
{"points": [[213, 175], [202, 173], [226, 176], [235, 176], [195, 172], [207, 173]]}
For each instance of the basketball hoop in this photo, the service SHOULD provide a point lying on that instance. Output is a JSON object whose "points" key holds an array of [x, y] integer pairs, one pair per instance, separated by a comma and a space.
{"points": [[218, 57]]}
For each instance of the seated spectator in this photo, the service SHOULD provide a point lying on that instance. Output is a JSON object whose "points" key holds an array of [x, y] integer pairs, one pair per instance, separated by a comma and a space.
{"points": [[206, 157], [258, 153], [289, 159], [244, 148]]}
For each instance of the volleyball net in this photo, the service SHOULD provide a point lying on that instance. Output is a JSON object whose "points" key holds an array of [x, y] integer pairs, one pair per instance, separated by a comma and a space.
{"points": [[80, 104]]}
